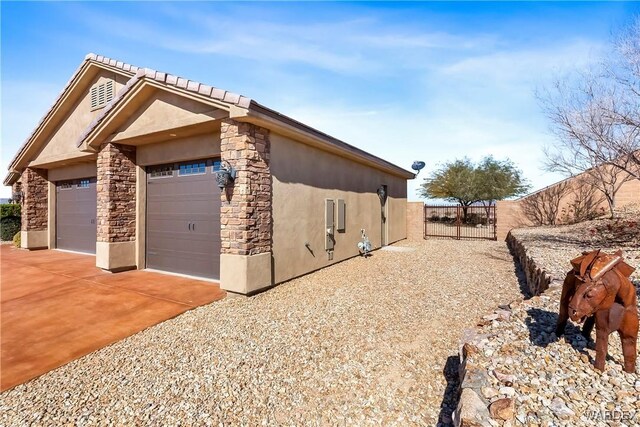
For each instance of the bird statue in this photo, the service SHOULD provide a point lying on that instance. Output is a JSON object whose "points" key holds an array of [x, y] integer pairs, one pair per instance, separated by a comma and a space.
{"points": [[365, 245]]}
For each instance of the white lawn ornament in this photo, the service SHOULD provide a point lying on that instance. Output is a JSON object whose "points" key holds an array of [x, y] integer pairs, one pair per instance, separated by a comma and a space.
{"points": [[365, 245]]}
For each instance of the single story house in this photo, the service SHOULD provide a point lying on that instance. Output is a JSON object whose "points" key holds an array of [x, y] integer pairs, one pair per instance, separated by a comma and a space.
{"points": [[149, 170]]}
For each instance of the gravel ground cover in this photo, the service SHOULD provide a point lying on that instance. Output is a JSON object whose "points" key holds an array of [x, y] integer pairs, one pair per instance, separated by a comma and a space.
{"points": [[552, 381], [553, 247], [367, 341]]}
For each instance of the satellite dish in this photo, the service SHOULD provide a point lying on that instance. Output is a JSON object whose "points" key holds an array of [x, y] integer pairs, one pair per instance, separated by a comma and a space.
{"points": [[417, 166]]}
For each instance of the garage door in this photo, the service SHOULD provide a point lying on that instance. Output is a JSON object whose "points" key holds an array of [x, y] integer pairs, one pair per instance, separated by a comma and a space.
{"points": [[183, 218], [76, 207]]}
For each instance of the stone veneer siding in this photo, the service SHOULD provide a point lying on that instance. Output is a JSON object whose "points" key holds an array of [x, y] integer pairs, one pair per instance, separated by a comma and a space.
{"points": [[116, 186], [16, 188], [35, 202], [245, 214]]}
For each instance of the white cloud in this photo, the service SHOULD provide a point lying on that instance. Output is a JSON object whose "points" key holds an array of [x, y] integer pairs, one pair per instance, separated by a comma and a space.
{"points": [[524, 64]]}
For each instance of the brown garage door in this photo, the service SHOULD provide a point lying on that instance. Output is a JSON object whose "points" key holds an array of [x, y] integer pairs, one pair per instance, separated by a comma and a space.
{"points": [[76, 207], [183, 218]]}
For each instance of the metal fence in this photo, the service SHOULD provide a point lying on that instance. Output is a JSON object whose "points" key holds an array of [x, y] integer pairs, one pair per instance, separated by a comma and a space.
{"points": [[460, 222]]}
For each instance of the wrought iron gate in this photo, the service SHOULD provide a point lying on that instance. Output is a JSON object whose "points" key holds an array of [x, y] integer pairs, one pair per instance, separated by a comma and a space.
{"points": [[460, 222]]}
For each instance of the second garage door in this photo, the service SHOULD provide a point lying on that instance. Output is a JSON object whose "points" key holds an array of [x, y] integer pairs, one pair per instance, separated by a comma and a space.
{"points": [[76, 204], [183, 218]]}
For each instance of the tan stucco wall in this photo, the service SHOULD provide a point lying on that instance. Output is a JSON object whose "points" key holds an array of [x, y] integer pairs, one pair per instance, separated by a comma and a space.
{"points": [[510, 214], [193, 147], [303, 177], [115, 255], [162, 112], [79, 170], [245, 274], [61, 145], [141, 217], [35, 239], [51, 221], [415, 221]]}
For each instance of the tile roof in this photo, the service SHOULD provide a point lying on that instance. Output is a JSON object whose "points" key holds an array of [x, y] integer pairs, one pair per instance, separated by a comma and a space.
{"points": [[138, 74], [170, 80]]}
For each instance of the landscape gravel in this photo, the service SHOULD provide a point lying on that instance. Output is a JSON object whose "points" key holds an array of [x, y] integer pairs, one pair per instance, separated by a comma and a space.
{"points": [[366, 341], [552, 379]]}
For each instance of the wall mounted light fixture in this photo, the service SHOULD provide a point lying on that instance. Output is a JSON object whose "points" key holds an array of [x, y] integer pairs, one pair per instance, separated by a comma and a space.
{"points": [[382, 194], [17, 197], [226, 175]]}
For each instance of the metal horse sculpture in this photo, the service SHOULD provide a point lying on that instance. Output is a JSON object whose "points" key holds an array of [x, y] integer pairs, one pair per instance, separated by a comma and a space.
{"points": [[598, 290]]}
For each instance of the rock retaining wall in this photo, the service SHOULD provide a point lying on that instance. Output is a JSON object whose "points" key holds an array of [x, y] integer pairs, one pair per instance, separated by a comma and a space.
{"points": [[537, 279], [480, 387]]}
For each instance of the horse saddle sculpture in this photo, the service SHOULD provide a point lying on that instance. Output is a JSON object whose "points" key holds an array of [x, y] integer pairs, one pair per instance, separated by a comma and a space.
{"points": [[597, 290]]}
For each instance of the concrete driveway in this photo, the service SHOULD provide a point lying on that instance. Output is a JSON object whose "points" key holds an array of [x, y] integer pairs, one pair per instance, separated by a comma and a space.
{"points": [[57, 306]]}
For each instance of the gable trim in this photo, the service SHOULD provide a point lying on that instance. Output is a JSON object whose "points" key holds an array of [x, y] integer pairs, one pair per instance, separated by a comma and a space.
{"points": [[90, 60]]}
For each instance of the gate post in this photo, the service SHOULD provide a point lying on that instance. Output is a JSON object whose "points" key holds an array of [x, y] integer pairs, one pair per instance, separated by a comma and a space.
{"points": [[458, 222], [424, 222]]}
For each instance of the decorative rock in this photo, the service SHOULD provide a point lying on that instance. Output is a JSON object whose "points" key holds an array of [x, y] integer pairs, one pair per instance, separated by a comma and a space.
{"points": [[503, 409], [489, 392], [506, 379], [503, 315], [471, 411], [560, 409], [469, 349], [507, 391], [475, 379]]}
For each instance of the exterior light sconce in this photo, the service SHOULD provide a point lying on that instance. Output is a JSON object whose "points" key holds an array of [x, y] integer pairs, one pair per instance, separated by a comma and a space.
{"points": [[226, 175], [18, 197], [382, 194]]}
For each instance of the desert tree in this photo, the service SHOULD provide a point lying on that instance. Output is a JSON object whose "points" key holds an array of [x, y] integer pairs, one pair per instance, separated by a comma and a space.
{"points": [[543, 206], [454, 182], [498, 180], [466, 183], [595, 115]]}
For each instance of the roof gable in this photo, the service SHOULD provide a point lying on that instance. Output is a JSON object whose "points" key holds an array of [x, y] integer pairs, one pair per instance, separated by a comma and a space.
{"points": [[145, 78], [62, 107], [162, 114], [235, 106]]}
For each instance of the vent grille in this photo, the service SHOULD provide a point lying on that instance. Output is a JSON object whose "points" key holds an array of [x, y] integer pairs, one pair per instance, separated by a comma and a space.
{"points": [[101, 94]]}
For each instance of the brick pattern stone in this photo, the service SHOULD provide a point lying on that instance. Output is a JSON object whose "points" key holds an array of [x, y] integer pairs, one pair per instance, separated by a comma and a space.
{"points": [[245, 214], [116, 187], [35, 201]]}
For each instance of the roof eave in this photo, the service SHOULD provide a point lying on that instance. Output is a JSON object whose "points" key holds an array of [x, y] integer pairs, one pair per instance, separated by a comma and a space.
{"points": [[11, 177], [264, 116]]}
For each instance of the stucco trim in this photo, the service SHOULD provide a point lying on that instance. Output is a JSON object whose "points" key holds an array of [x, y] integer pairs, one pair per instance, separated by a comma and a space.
{"points": [[51, 207], [245, 274], [34, 239], [114, 256]]}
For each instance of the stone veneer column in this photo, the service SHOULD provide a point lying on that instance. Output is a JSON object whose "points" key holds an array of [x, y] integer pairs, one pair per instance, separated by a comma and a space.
{"points": [[34, 227], [116, 214], [245, 214]]}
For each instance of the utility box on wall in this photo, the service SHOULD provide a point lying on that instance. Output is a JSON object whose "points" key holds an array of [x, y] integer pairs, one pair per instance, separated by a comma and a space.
{"points": [[329, 224], [341, 215]]}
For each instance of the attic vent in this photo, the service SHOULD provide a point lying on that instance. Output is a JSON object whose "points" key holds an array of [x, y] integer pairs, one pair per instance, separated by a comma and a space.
{"points": [[101, 94]]}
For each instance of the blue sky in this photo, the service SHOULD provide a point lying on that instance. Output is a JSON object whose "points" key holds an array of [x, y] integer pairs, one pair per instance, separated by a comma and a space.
{"points": [[404, 81]]}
